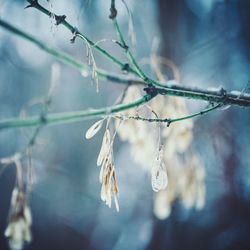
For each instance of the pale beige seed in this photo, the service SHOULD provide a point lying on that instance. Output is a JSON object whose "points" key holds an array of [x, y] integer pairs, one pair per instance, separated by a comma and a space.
{"points": [[104, 148], [94, 129]]}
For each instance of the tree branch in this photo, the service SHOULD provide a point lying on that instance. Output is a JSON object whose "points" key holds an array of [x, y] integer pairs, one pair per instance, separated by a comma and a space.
{"points": [[175, 90], [69, 117], [64, 57], [170, 120], [113, 15], [215, 96], [76, 33]]}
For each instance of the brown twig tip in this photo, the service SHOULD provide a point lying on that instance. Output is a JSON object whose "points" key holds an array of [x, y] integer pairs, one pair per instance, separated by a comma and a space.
{"points": [[60, 19], [33, 3]]}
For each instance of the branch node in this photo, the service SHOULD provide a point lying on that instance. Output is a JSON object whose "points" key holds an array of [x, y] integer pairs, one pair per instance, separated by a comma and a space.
{"points": [[75, 32], [224, 96], [151, 90], [125, 67], [123, 46], [113, 12], [60, 19], [43, 118]]}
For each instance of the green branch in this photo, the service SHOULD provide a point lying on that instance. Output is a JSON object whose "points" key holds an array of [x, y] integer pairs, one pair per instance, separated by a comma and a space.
{"points": [[231, 98], [170, 120], [166, 89], [123, 44], [69, 117], [62, 20], [64, 57]]}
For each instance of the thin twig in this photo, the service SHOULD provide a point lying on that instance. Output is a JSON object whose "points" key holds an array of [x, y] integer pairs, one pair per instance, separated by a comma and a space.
{"points": [[171, 120], [62, 21], [123, 44]]}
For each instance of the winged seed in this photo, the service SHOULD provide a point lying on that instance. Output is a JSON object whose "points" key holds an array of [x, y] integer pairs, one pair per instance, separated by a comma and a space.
{"points": [[94, 129]]}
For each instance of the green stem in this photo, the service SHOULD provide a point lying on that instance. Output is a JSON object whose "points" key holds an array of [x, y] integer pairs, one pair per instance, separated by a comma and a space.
{"points": [[203, 112], [64, 57], [69, 117], [130, 56], [169, 120]]}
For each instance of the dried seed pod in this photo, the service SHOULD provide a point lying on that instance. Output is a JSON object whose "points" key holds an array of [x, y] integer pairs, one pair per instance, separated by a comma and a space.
{"points": [[104, 148], [159, 178], [94, 129], [18, 230]]}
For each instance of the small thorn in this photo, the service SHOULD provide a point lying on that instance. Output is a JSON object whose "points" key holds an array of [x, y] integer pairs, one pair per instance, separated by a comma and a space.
{"points": [[34, 3]]}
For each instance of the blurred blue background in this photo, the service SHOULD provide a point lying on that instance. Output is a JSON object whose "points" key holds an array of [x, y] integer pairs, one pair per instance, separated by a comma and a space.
{"points": [[209, 42]]}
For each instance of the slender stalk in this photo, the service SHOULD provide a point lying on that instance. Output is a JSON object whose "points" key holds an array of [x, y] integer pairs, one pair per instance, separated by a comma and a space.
{"points": [[69, 117], [123, 44], [203, 112], [170, 120], [130, 56]]}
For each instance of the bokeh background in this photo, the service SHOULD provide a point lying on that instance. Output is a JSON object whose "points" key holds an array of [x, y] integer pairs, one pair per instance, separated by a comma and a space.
{"points": [[209, 42]]}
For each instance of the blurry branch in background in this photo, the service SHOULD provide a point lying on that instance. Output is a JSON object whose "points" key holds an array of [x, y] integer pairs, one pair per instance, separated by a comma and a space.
{"points": [[18, 230], [27, 151]]}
